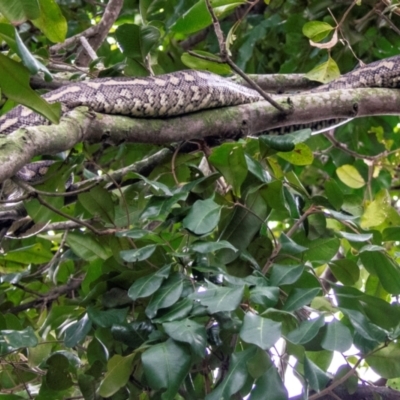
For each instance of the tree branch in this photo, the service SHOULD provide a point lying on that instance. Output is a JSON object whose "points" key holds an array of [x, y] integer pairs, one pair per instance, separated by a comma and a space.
{"points": [[18, 148]]}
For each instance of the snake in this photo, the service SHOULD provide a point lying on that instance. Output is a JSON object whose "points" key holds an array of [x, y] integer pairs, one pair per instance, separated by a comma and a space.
{"points": [[174, 94]]}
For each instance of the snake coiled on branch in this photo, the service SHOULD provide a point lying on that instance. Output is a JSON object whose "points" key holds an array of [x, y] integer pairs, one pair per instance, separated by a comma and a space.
{"points": [[179, 93]]}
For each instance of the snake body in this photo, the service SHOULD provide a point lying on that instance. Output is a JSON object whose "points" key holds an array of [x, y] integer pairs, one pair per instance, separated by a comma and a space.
{"points": [[179, 93]]}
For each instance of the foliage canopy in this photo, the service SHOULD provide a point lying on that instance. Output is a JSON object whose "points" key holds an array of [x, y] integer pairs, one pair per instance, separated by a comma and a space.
{"points": [[208, 269]]}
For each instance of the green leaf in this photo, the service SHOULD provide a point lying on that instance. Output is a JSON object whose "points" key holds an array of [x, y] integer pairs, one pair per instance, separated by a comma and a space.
{"points": [[334, 193], [321, 250], [270, 382], [178, 311], [378, 211], [266, 296], [278, 143], [364, 326], [165, 366], [349, 175], [148, 284], [107, 318], [166, 296], [356, 237], [380, 265], [306, 331], [118, 371], [218, 299], [345, 271], [262, 332], [190, 332], [236, 376], [299, 298], [337, 337], [203, 217], [20, 338], [133, 334], [98, 202], [28, 59], [325, 73], [229, 159], [285, 274], [7, 33], [51, 21], [317, 30], [58, 376], [210, 247], [300, 155], [193, 62], [141, 254], [317, 378], [87, 246], [14, 82], [34, 254], [386, 362], [18, 11], [78, 331], [198, 17]]}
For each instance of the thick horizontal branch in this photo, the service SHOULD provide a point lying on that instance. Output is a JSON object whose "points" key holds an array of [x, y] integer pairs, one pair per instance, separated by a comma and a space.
{"points": [[18, 148]]}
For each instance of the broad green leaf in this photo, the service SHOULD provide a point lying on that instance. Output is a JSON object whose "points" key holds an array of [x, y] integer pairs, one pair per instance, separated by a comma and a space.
{"points": [[7, 33], [364, 326], [34, 254], [77, 332], [28, 59], [210, 247], [316, 378], [99, 203], [166, 296], [107, 318], [118, 371], [289, 246], [178, 311], [337, 337], [58, 376], [386, 362], [325, 73], [299, 298], [193, 62], [334, 193], [356, 237], [306, 331], [321, 250], [388, 272], [317, 30], [14, 82], [133, 334], [166, 365], [345, 271], [51, 21], [20, 338], [279, 143], [378, 211], [285, 274], [266, 296], [198, 17], [18, 11], [147, 285], [190, 332], [349, 175], [236, 376], [270, 382], [229, 159], [218, 299], [203, 217], [300, 155], [140, 254], [87, 246], [262, 332]]}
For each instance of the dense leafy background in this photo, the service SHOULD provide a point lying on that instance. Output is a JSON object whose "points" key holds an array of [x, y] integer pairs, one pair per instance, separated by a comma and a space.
{"points": [[191, 285]]}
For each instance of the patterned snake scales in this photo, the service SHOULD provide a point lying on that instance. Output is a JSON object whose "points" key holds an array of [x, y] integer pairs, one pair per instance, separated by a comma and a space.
{"points": [[179, 93]]}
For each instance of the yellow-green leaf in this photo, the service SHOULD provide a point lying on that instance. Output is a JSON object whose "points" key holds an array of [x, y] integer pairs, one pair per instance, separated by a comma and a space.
{"points": [[317, 30], [324, 72], [350, 176]]}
